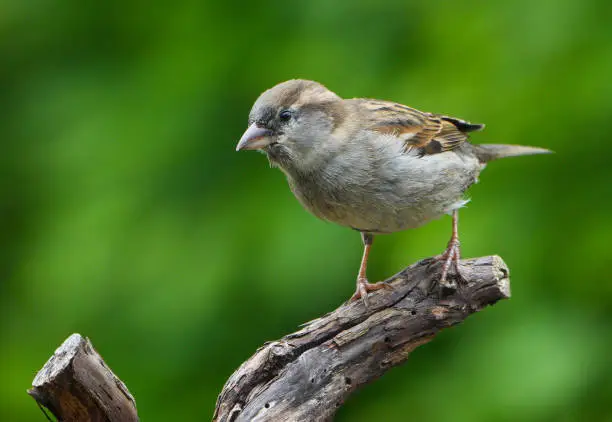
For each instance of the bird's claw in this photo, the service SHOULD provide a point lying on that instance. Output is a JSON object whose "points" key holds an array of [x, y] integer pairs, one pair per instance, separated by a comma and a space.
{"points": [[364, 287], [451, 256]]}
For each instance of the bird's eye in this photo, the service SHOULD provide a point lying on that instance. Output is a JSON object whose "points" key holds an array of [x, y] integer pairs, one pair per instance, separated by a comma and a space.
{"points": [[285, 115]]}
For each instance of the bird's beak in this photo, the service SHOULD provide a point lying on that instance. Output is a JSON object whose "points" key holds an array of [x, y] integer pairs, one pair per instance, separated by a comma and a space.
{"points": [[254, 137]]}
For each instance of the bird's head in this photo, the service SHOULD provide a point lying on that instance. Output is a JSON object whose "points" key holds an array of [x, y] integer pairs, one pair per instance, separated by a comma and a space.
{"points": [[290, 121]]}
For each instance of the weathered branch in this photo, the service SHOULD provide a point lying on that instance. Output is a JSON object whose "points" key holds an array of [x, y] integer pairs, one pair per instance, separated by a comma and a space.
{"points": [[307, 375], [76, 386]]}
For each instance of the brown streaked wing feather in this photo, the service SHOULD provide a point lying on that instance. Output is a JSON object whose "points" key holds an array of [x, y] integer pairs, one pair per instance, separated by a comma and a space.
{"points": [[450, 136], [429, 133], [426, 137]]}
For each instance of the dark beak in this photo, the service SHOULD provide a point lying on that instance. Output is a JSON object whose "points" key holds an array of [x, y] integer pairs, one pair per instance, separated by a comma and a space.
{"points": [[254, 137]]}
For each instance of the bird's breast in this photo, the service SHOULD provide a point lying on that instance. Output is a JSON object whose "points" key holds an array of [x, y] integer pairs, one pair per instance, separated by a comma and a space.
{"points": [[385, 193], [363, 205]]}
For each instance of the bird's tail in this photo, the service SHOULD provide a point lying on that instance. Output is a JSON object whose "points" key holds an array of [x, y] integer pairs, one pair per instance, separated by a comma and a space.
{"points": [[490, 152]]}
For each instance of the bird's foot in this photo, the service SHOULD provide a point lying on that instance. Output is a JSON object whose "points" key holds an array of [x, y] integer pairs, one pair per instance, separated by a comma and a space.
{"points": [[364, 287], [451, 256]]}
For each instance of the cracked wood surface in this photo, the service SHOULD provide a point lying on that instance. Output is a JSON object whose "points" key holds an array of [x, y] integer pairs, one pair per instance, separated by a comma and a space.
{"points": [[77, 386], [307, 375]]}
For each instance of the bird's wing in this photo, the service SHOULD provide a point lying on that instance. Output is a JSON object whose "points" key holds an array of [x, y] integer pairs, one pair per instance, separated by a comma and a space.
{"points": [[426, 132]]}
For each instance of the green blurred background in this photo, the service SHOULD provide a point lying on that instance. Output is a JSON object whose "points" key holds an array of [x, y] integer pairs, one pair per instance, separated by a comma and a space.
{"points": [[127, 216]]}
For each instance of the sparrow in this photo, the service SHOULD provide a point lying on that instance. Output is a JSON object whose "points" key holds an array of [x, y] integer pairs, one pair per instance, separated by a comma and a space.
{"points": [[375, 166]]}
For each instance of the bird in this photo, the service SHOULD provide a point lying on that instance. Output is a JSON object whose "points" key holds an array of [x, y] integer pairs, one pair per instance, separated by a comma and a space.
{"points": [[375, 166]]}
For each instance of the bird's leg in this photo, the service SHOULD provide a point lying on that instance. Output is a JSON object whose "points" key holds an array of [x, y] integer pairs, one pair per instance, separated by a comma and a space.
{"points": [[363, 286], [453, 251]]}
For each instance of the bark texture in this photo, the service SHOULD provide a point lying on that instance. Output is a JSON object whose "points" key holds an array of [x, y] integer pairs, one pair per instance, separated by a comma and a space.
{"points": [[76, 386], [307, 375]]}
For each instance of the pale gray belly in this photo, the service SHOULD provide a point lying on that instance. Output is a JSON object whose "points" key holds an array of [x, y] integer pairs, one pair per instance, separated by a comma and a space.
{"points": [[401, 196], [378, 214]]}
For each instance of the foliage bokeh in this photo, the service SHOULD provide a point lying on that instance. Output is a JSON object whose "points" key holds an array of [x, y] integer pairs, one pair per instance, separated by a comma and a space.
{"points": [[127, 216]]}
